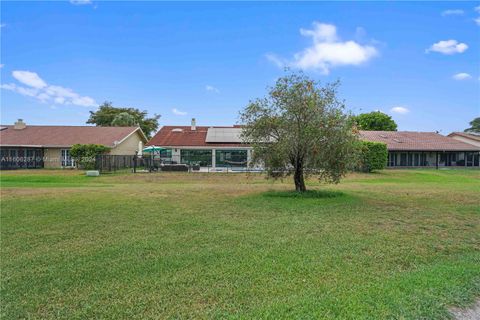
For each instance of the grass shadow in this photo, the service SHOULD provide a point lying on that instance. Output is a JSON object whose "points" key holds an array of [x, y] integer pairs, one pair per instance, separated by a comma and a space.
{"points": [[309, 194]]}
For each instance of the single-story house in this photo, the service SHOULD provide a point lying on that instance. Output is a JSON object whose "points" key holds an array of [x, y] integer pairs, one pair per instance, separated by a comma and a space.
{"points": [[220, 146], [36, 146], [424, 149], [467, 137], [216, 146]]}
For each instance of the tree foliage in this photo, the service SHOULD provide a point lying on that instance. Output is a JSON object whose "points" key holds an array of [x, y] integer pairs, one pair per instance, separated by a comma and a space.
{"points": [[374, 156], [84, 154], [123, 119], [300, 128], [474, 126], [375, 121], [108, 115]]}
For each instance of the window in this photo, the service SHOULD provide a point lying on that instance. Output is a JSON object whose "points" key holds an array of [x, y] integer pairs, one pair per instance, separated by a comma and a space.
{"points": [[231, 158], [67, 160], [194, 156], [392, 159], [403, 159], [416, 161]]}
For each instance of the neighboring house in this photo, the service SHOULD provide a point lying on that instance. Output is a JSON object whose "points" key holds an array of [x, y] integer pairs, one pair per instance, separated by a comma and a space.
{"points": [[218, 146], [32, 146], [470, 138], [207, 146], [424, 149]]}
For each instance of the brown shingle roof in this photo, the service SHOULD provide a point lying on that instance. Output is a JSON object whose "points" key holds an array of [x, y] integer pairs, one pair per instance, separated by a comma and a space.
{"points": [[416, 141], [169, 137], [467, 135], [63, 136]]}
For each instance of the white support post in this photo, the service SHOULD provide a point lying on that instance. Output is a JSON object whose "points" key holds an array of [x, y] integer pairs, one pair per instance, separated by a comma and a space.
{"points": [[176, 155], [213, 159]]}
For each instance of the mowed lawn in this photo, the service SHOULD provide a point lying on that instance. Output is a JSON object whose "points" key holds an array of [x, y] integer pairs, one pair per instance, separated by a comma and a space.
{"points": [[396, 244]]}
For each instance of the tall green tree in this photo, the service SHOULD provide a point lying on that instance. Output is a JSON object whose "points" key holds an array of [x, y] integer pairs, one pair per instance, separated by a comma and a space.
{"points": [[123, 119], [106, 114], [375, 121], [474, 126], [300, 128]]}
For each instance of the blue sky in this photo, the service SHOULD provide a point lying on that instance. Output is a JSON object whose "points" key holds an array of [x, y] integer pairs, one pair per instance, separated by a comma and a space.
{"points": [[417, 61]]}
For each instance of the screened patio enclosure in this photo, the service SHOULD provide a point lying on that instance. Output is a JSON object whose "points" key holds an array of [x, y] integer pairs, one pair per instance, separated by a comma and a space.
{"points": [[21, 158], [433, 159]]}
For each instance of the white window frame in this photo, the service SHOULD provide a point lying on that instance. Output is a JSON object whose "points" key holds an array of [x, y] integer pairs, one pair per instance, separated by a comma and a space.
{"points": [[66, 159]]}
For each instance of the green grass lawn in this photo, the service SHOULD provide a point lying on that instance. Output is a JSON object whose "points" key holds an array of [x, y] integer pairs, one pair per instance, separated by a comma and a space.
{"points": [[390, 245]]}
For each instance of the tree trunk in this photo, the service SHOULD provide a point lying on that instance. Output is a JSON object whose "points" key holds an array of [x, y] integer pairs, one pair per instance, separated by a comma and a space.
{"points": [[299, 180]]}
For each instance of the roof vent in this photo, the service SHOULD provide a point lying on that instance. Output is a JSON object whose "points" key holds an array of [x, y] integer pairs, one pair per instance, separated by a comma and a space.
{"points": [[396, 140], [19, 125], [177, 130], [383, 136]]}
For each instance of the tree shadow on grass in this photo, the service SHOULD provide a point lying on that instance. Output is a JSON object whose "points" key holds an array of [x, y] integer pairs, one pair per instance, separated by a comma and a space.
{"points": [[309, 194]]}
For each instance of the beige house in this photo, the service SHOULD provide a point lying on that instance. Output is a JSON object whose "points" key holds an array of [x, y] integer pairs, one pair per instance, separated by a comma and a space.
{"points": [[424, 149], [470, 138], [32, 146]]}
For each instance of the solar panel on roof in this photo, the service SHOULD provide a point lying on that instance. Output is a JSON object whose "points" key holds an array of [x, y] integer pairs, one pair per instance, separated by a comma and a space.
{"points": [[223, 135]]}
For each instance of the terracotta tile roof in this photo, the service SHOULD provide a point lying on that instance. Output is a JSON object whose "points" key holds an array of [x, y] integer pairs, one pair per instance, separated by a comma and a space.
{"points": [[467, 135], [416, 141], [63, 136], [184, 136]]}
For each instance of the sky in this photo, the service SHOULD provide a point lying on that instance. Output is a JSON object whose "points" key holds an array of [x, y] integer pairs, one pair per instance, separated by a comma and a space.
{"points": [[416, 61]]}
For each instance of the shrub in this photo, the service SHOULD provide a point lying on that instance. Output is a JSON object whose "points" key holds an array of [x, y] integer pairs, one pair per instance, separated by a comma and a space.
{"points": [[84, 154], [374, 156]]}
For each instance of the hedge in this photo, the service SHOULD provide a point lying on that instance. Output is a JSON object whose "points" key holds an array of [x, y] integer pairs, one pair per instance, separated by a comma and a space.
{"points": [[85, 154], [374, 156]]}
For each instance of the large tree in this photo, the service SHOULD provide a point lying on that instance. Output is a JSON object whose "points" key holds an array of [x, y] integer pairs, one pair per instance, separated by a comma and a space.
{"points": [[124, 119], [474, 126], [375, 121], [300, 128], [108, 115]]}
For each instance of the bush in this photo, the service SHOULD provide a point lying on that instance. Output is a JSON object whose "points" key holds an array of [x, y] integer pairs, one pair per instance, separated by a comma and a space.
{"points": [[84, 154], [374, 156]]}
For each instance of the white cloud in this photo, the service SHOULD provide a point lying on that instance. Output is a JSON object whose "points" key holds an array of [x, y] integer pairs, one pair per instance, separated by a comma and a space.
{"points": [[273, 58], [321, 32], [80, 2], [8, 86], [327, 51], [2, 65], [448, 47], [211, 89], [36, 87], [452, 12], [461, 76], [43, 97], [400, 110], [59, 100], [84, 101], [178, 112], [58, 91], [31, 92], [477, 20], [29, 78]]}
